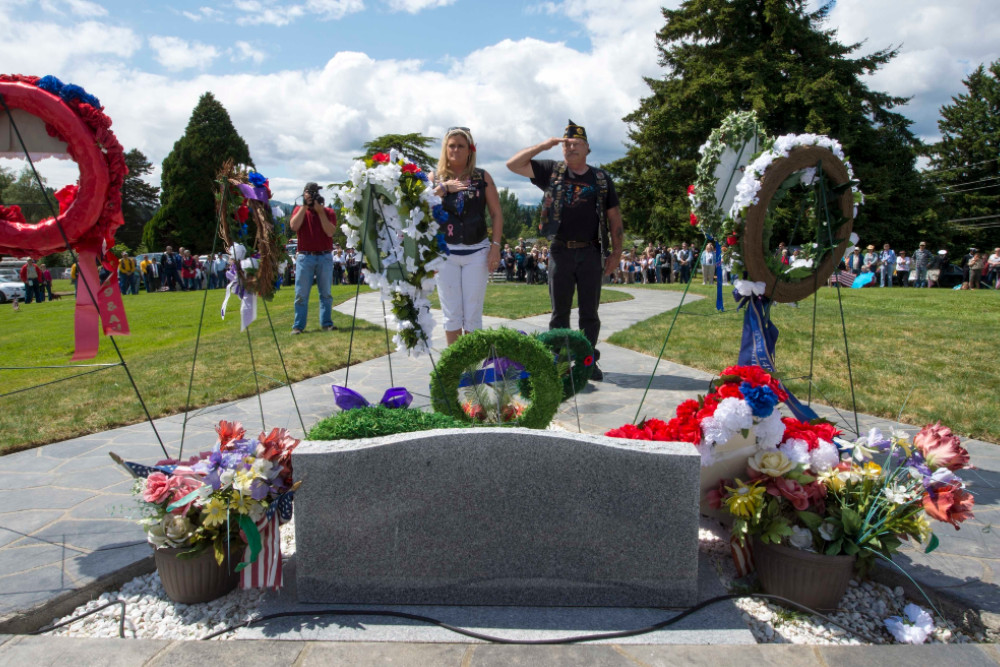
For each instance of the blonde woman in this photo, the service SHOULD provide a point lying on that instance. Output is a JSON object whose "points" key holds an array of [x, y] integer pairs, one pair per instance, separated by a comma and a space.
{"points": [[474, 250]]}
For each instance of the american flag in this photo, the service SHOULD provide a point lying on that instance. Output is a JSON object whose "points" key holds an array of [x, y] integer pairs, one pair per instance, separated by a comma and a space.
{"points": [[283, 506], [140, 470], [265, 572], [845, 278], [742, 556]]}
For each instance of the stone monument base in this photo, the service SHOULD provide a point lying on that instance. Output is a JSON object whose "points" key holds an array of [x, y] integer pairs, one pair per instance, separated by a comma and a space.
{"points": [[497, 516]]}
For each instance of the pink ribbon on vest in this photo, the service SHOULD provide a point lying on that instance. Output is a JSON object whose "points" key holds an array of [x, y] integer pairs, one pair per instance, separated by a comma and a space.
{"points": [[108, 307]]}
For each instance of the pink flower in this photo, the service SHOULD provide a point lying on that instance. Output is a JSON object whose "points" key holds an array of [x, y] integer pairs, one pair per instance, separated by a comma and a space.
{"points": [[159, 487], [183, 487], [941, 447], [715, 496], [794, 492], [952, 505]]}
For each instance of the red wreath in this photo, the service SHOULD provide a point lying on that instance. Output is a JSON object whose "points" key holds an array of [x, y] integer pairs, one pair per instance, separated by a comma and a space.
{"points": [[91, 217]]}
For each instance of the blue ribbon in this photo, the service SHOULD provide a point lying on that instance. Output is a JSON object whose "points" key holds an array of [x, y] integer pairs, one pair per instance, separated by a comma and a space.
{"points": [[760, 335]]}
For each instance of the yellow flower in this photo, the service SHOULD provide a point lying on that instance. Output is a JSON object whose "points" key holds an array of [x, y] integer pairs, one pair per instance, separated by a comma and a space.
{"points": [[240, 503], [214, 513], [744, 500], [872, 470], [773, 464], [833, 480]]}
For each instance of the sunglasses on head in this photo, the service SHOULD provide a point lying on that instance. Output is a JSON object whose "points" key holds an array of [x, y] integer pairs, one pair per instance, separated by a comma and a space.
{"points": [[457, 127]]}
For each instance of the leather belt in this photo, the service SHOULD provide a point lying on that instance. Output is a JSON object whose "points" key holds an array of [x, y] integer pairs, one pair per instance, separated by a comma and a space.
{"points": [[576, 244]]}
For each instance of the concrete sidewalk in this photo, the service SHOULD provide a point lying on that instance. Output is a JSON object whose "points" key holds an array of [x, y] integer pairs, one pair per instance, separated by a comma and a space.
{"points": [[66, 526]]}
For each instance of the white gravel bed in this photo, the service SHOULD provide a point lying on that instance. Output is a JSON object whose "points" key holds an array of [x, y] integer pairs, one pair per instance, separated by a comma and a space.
{"points": [[149, 614]]}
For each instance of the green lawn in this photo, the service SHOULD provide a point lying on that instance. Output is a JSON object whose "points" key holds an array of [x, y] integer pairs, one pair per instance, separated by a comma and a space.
{"points": [[158, 353], [933, 350], [519, 300]]}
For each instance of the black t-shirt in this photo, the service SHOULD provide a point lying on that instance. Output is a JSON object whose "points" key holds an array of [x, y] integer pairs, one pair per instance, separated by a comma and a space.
{"points": [[579, 213]]}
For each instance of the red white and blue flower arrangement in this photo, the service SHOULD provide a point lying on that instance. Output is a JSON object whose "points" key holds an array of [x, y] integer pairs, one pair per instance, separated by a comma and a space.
{"points": [[231, 499]]}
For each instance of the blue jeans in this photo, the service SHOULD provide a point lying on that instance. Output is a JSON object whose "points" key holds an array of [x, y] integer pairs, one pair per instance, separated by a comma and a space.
{"points": [[308, 267]]}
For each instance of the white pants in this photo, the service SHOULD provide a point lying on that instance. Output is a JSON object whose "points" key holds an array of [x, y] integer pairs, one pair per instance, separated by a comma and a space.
{"points": [[461, 283]]}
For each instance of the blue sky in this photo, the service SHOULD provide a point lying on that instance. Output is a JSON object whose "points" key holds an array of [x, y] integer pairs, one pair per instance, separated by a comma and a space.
{"points": [[307, 82]]}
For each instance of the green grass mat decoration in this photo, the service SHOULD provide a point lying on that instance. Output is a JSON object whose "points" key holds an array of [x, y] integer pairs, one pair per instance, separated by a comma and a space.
{"points": [[377, 420]]}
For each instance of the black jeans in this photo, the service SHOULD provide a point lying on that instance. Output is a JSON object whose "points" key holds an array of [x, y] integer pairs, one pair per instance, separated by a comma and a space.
{"points": [[576, 270]]}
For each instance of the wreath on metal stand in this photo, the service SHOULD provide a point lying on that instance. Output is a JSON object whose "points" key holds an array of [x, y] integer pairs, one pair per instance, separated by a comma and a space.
{"points": [[574, 359]]}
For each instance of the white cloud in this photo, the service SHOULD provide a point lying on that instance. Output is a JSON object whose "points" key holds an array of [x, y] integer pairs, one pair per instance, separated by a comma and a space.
{"points": [[277, 14], [939, 45], [243, 51], [83, 8], [177, 54], [415, 6], [204, 13], [47, 48]]}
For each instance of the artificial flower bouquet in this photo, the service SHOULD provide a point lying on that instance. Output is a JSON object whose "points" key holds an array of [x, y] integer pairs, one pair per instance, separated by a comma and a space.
{"points": [[819, 492], [225, 499]]}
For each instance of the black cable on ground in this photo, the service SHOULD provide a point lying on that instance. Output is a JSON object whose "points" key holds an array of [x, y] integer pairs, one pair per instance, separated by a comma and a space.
{"points": [[537, 642], [121, 619]]}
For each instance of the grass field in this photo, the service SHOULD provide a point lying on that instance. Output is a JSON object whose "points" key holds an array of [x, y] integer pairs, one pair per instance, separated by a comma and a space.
{"points": [[916, 355], [158, 354]]}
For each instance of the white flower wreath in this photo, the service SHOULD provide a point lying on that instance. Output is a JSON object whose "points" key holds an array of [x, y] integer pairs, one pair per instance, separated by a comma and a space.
{"points": [[753, 176], [407, 246]]}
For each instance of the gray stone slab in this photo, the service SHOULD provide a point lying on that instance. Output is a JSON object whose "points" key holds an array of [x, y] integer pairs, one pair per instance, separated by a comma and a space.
{"points": [[551, 656], [15, 526], [229, 654], [93, 479], [497, 516], [42, 498], [33, 555], [364, 654], [776, 655], [23, 590], [967, 655], [91, 534], [107, 506], [44, 650]]}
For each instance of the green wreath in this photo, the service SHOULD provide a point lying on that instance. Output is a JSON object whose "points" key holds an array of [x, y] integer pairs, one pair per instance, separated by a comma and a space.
{"points": [[576, 367], [485, 343]]}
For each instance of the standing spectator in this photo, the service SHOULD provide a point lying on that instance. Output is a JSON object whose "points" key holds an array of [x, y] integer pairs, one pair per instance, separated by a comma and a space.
{"points": [[126, 270], [869, 264], [148, 269], [965, 264], [220, 266], [921, 263], [903, 264], [189, 270], [72, 277], [976, 265], [46, 280], [519, 256], [662, 265], [338, 265], [208, 268], [530, 265], [887, 266], [32, 279], [170, 266], [993, 267], [684, 258], [853, 261], [314, 225], [650, 266], [937, 266], [708, 265]]}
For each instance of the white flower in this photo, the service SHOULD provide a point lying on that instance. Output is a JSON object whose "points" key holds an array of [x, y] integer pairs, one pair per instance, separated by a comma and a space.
{"points": [[769, 431], [827, 530], [707, 455], [714, 433], [808, 176], [797, 450], [914, 629], [824, 457], [800, 263], [896, 494], [801, 538], [734, 414], [750, 288]]}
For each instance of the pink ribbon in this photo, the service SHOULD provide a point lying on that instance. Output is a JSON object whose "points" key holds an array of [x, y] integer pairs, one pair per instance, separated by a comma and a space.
{"points": [[108, 307]]}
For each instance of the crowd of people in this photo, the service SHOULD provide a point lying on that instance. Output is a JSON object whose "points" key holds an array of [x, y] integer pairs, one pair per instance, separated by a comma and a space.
{"points": [[923, 267]]}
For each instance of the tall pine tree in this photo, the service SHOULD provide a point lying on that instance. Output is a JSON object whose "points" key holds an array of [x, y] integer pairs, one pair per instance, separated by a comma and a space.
{"points": [[774, 57], [965, 164], [187, 215]]}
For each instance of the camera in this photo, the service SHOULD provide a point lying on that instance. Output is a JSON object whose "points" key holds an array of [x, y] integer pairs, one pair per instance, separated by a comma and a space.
{"points": [[312, 189]]}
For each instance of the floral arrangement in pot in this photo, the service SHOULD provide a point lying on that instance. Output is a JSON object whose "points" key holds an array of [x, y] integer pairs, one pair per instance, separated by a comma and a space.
{"points": [[859, 498], [228, 501]]}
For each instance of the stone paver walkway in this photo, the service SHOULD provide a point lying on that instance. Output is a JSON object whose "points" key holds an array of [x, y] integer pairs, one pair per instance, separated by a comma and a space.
{"points": [[66, 512]]}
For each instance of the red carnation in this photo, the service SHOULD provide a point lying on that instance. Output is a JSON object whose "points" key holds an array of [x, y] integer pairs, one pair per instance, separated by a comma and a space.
{"points": [[688, 409], [380, 157], [691, 189], [800, 430], [66, 196], [410, 168], [694, 220], [588, 360], [242, 213], [826, 431], [732, 240], [628, 431], [729, 390]]}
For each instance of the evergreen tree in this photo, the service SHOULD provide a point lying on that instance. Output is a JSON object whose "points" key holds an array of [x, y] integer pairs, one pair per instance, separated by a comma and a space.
{"points": [[139, 199], [516, 218], [24, 192], [965, 164], [6, 178], [411, 145], [774, 57], [187, 216]]}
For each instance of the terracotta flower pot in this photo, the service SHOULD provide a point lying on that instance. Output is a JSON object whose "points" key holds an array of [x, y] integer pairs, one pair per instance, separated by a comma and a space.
{"points": [[198, 579], [814, 580]]}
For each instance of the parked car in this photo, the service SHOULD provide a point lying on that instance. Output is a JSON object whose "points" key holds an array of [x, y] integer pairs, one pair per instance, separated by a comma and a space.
{"points": [[10, 289]]}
